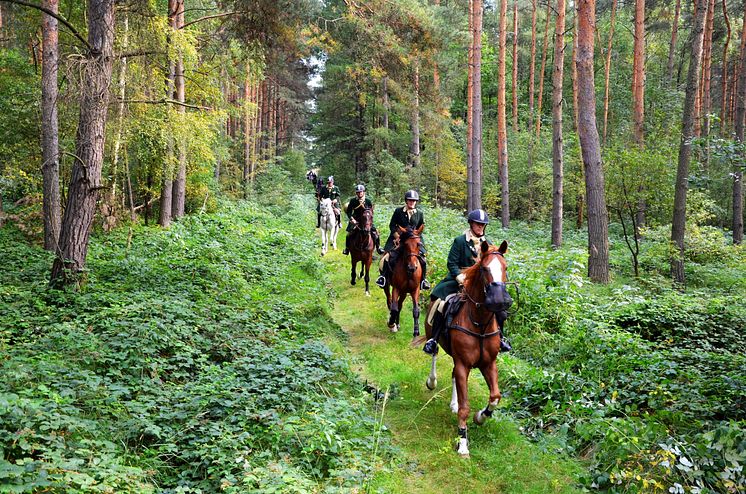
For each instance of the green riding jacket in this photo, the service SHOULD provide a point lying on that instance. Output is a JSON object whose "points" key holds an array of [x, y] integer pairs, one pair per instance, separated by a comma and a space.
{"points": [[463, 254]]}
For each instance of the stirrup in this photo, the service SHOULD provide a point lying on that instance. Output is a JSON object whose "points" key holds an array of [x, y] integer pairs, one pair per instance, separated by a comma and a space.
{"points": [[381, 281], [424, 285], [431, 347], [380, 250], [345, 251], [505, 345]]}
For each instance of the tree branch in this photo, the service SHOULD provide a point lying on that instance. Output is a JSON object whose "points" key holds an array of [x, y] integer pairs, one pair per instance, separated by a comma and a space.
{"points": [[56, 16], [163, 102], [208, 17]]}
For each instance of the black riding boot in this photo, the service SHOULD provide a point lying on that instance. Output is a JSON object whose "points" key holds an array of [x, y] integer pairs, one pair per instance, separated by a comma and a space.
{"points": [[318, 220], [504, 343], [377, 242], [347, 244], [424, 284], [385, 275], [431, 345]]}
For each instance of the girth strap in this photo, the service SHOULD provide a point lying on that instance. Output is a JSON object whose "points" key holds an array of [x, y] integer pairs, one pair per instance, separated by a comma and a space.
{"points": [[480, 337]]}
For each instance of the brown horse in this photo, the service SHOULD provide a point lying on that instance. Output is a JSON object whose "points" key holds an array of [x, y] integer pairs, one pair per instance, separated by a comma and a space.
{"points": [[406, 275], [361, 247], [473, 337]]}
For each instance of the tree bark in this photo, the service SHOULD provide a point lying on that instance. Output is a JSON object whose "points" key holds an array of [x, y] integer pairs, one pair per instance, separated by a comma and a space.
{"points": [[515, 66], [598, 235], [739, 128], [120, 115], [532, 68], [574, 73], [638, 74], [543, 67], [678, 223], [707, 71], [470, 112], [414, 148], [52, 211], [672, 46], [607, 69], [476, 137], [179, 194], [502, 135], [557, 148], [724, 88], [167, 179], [85, 182], [247, 132]]}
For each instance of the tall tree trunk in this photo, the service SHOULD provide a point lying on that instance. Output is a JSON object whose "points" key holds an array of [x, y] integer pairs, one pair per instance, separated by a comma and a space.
{"points": [[414, 148], [470, 112], [120, 116], [179, 196], [574, 73], [724, 88], [386, 106], [476, 137], [678, 224], [672, 46], [707, 71], [532, 68], [598, 234], [167, 179], [49, 127], [739, 127], [502, 135], [543, 67], [607, 69], [515, 66], [557, 149], [85, 182], [247, 132], [638, 74]]}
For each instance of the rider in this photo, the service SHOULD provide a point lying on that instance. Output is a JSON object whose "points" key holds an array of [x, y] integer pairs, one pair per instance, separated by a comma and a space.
{"points": [[355, 207], [331, 191], [463, 254], [407, 216]]}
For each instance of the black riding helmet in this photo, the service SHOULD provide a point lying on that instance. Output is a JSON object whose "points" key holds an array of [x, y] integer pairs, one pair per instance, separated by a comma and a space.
{"points": [[411, 195], [360, 188], [478, 216]]}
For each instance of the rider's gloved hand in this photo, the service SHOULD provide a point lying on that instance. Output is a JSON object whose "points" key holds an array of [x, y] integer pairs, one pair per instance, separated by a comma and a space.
{"points": [[460, 278]]}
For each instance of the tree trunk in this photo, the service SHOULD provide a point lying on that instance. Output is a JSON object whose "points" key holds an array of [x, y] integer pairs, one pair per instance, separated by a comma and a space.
{"points": [[707, 71], [638, 74], [607, 70], [672, 46], [85, 182], [532, 68], [49, 128], [574, 73], [557, 149], [543, 67], [476, 137], [598, 235], [470, 112], [739, 127], [247, 132], [167, 179], [386, 106], [515, 66], [414, 148], [724, 77], [120, 116], [179, 195], [678, 223], [502, 135]]}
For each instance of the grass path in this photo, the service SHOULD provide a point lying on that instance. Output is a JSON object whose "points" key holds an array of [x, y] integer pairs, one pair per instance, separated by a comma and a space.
{"points": [[422, 425]]}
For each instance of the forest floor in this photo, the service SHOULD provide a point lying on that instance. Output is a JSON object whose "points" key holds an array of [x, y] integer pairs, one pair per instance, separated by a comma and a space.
{"points": [[420, 421]]}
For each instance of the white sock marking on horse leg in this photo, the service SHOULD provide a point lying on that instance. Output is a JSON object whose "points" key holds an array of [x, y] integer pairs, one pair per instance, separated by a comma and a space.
{"points": [[432, 379], [454, 397], [463, 447]]}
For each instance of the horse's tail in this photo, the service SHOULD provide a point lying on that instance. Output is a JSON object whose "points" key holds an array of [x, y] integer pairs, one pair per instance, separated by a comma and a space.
{"points": [[418, 341]]}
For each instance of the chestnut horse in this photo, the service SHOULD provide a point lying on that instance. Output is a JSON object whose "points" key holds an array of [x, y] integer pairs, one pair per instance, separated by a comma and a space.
{"points": [[361, 247], [473, 337], [406, 275]]}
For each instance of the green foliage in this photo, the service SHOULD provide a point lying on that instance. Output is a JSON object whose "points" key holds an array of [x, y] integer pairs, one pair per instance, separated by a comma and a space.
{"points": [[190, 362]]}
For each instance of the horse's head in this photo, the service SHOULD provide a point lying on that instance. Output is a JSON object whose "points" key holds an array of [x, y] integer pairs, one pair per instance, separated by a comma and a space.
{"points": [[365, 223], [325, 206], [490, 275], [311, 176], [410, 243]]}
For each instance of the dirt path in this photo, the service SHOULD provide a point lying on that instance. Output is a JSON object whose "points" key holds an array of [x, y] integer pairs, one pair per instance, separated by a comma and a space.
{"points": [[421, 423]]}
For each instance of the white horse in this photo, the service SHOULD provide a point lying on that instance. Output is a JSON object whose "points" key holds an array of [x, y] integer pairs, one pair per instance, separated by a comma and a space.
{"points": [[329, 226]]}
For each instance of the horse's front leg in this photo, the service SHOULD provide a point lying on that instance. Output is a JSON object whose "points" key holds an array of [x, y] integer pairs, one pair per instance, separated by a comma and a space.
{"points": [[490, 376], [402, 298], [432, 379], [416, 312], [352, 271], [367, 277], [335, 231], [323, 241], [394, 305], [461, 377]]}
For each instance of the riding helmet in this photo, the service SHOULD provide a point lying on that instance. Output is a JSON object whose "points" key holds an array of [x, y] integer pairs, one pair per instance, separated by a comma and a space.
{"points": [[478, 216], [360, 188], [330, 179], [411, 195]]}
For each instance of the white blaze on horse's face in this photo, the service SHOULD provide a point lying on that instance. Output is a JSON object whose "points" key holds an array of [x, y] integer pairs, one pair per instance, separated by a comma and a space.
{"points": [[495, 268]]}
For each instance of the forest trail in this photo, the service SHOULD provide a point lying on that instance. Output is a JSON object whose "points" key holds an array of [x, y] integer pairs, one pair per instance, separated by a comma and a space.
{"points": [[421, 423]]}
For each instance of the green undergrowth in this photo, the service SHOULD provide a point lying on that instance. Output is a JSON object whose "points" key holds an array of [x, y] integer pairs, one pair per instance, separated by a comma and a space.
{"points": [[189, 362]]}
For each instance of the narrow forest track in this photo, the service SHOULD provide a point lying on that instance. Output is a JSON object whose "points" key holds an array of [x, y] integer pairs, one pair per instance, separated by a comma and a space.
{"points": [[420, 421]]}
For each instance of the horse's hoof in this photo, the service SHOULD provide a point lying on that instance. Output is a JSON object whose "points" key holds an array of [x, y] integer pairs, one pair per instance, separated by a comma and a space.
{"points": [[352, 282], [454, 408], [431, 383], [462, 448], [367, 293], [480, 418], [394, 328]]}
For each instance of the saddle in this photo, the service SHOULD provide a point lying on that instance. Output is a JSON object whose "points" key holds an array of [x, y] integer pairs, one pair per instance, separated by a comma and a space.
{"points": [[442, 313]]}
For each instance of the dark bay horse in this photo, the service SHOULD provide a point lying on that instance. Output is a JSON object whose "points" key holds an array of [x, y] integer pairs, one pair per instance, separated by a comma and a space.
{"points": [[406, 276], [473, 337], [361, 247]]}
